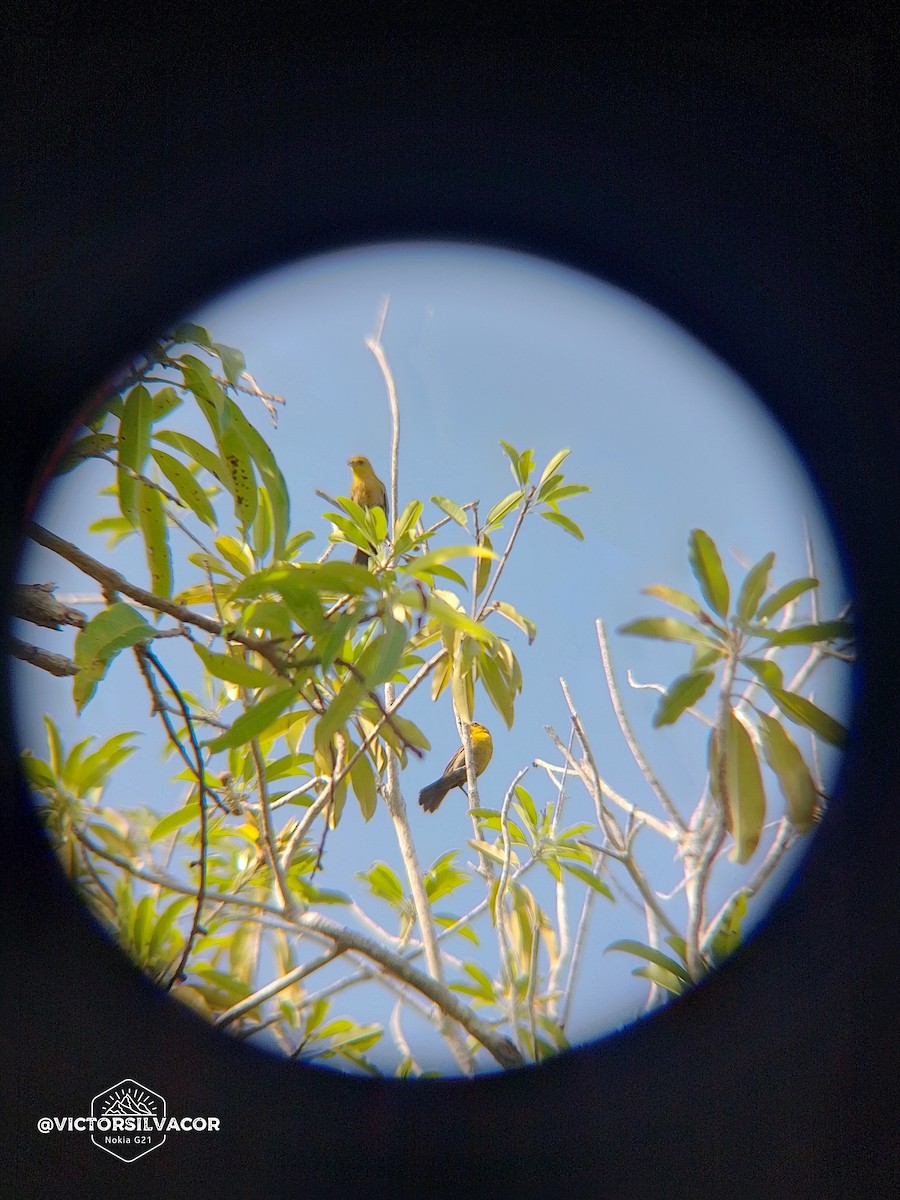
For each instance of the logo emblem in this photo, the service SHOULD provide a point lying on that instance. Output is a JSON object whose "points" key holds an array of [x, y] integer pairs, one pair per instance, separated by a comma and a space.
{"points": [[130, 1120]]}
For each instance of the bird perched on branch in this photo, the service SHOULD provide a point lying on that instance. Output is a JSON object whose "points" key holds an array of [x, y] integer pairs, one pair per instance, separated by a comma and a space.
{"points": [[455, 771], [368, 491]]}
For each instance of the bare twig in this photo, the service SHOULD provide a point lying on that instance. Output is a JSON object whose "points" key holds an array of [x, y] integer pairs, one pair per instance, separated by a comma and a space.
{"points": [[47, 660], [628, 733], [275, 986]]}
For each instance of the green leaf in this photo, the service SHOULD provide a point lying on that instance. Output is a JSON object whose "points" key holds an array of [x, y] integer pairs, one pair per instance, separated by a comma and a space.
{"points": [[97, 767], [176, 820], [685, 691], [191, 334], [234, 670], [86, 447], [514, 461], [462, 689], [804, 712], [112, 630], [164, 926], [447, 615], [502, 509], [262, 524], [564, 493], [362, 780], [272, 479], [662, 978], [452, 509], [198, 453], [408, 518], [134, 443], [485, 988], [165, 400], [707, 567], [565, 523], [388, 652], [794, 778], [422, 565], [243, 481], [552, 465], [234, 553], [588, 877], [727, 937], [669, 629], [233, 362], [753, 587], [766, 670], [384, 883], [250, 724], [186, 486], [483, 573], [527, 626], [746, 795], [497, 687], [628, 946], [198, 378], [143, 919], [156, 540], [785, 595], [805, 635], [672, 596], [338, 712]]}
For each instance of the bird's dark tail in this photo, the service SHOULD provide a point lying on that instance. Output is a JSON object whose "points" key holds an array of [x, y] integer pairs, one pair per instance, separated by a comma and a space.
{"points": [[361, 558], [431, 796]]}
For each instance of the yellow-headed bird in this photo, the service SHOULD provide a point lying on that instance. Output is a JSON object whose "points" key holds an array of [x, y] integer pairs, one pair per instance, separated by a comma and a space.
{"points": [[455, 771], [368, 491]]}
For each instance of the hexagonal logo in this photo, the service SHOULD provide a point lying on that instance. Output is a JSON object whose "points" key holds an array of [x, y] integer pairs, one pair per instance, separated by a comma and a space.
{"points": [[129, 1120]]}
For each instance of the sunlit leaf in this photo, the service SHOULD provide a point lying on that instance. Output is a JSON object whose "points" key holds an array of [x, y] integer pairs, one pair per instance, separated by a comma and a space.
{"points": [[651, 954], [156, 540], [497, 688], [753, 587], [746, 795], [588, 877], [452, 509], [234, 670], [527, 626], [186, 486], [805, 635], [134, 444], [707, 568], [784, 596], [552, 465], [502, 509], [362, 780], [727, 937], [685, 691], [176, 820], [113, 629], [766, 670], [254, 721], [804, 712], [794, 778], [233, 362], [565, 523], [672, 596], [669, 629]]}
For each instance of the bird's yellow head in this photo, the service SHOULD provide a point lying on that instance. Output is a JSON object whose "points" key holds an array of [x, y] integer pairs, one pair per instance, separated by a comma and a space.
{"points": [[359, 465]]}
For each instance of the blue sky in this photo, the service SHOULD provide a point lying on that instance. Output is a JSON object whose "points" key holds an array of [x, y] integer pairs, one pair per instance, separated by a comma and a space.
{"points": [[488, 345]]}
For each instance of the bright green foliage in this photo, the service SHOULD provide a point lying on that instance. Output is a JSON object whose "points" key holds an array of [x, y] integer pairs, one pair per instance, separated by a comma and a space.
{"points": [[299, 659], [746, 639]]}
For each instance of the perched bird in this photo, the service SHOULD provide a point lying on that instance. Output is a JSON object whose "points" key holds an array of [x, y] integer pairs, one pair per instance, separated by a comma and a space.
{"points": [[455, 771], [368, 491]]}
